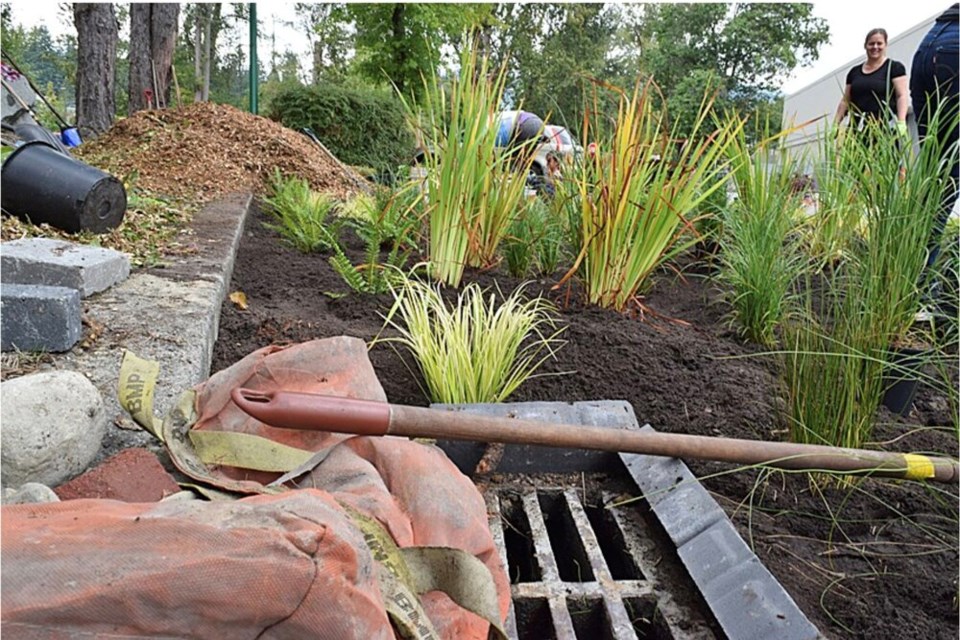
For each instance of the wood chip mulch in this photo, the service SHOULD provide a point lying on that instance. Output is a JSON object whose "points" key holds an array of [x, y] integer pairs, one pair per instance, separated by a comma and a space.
{"points": [[203, 151]]}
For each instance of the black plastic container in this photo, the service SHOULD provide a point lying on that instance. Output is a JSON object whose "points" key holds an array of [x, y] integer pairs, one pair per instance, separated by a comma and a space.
{"points": [[902, 379], [42, 185]]}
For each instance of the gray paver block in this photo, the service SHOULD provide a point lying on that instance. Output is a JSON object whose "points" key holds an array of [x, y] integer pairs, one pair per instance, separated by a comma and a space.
{"points": [[58, 263], [744, 596], [681, 503], [39, 318]]}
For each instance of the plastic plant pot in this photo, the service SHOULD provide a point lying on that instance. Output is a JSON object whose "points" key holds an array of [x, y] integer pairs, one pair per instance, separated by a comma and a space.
{"points": [[902, 380], [42, 185]]}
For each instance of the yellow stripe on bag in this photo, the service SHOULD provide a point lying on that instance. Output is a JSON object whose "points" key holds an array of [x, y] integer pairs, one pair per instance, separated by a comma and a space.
{"points": [[247, 451], [138, 379], [402, 604], [417, 570], [918, 467]]}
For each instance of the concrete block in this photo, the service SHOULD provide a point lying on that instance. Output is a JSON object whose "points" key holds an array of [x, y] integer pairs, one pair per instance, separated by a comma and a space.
{"points": [[47, 261], [713, 552], [39, 318], [680, 502]]}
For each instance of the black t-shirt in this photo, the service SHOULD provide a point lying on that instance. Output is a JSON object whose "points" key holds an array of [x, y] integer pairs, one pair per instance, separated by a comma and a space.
{"points": [[869, 91]]}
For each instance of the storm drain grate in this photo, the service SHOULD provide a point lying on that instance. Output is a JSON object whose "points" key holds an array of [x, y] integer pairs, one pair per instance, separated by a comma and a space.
{"points": [[581, 571]]}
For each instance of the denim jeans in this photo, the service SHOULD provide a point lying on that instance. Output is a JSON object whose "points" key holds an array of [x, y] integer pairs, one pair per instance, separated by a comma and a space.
{"points": [[934, 85]]}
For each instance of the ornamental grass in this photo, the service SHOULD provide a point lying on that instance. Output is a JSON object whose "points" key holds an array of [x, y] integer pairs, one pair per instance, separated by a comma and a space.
{"points": [[857, 314], [476, 349], [759, 258], [474, 189], [636, 195]]}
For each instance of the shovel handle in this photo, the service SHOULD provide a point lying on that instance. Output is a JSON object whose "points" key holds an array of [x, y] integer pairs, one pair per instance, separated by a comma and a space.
{"points": [[313, 412], [309, 412]]}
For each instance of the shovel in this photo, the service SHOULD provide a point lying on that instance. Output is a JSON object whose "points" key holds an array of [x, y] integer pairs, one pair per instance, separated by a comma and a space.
{"points": [[313, 412]]}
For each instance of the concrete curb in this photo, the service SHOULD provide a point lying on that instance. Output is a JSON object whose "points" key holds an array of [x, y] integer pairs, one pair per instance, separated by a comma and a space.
{"points": [[169, 314]]}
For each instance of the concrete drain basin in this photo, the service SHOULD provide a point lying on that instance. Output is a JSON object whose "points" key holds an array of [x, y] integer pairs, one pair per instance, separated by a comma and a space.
{"points": [[642, 552]]}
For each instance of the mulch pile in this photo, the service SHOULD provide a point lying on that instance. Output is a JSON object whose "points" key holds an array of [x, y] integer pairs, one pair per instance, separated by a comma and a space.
{"points": [[204, 150]]}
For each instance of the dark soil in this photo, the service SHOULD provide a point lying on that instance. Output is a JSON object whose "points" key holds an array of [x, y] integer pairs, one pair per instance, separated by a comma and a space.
{"points": [[877, 560]]}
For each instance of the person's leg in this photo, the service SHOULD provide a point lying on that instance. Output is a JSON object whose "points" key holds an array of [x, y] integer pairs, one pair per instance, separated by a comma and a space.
{"points": [[934, 91]]}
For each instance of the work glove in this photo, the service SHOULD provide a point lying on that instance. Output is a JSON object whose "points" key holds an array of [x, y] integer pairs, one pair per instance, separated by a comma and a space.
{"points": [[902, 129]]}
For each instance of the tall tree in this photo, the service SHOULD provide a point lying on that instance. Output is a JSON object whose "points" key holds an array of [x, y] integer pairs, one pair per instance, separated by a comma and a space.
{"points": [[743, 50], [97, 35], [153, 36], [203, 24], [402, 42], [327, 27]]}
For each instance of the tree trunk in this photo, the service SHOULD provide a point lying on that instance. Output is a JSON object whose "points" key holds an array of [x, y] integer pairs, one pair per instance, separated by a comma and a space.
{"points": [[140, 77], [399, 52], [153, 34], [207, 54], [97, 35], [198, 22]]}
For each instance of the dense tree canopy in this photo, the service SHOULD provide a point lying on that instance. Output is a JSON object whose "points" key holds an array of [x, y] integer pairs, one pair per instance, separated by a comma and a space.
{"points": [[553, 52]]}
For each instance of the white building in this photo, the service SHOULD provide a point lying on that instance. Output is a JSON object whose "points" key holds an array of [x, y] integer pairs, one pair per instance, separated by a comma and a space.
{"points": [[815, 105]]}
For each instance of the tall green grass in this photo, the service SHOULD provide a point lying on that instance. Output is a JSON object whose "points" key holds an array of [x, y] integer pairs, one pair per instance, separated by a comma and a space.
{"points": [[838, 221], [474, 190], [760, 260], [842, 337], [535, 241], [636, 196]]}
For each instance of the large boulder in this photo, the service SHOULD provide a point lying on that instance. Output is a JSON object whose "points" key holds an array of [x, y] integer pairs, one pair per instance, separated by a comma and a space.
{"points": [[51, 427]]}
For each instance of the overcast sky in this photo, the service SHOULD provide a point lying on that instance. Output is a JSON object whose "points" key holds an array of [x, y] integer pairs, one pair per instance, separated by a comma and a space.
{"points": [[849, 22]]}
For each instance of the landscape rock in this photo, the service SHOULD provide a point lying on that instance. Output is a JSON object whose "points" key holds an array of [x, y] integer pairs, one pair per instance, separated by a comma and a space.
{"points": [[30, 493], [51, 427], [133, 475]]}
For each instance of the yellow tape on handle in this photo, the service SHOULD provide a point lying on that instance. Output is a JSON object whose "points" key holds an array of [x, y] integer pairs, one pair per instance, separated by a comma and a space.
{"points": [[918, 467]]}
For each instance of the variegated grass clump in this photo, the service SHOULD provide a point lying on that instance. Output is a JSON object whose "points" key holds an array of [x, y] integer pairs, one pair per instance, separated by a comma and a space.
{"points": [[759, 258], [477, 349], [301, 215], [636, 194], [474, 189]]}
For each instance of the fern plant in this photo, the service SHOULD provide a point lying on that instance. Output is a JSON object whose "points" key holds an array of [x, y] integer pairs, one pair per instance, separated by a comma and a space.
{"points": [[372, 275], [301, 215], [388, 221]]}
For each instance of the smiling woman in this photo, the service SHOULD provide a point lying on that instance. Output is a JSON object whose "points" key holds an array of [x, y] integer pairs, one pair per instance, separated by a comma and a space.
{"points": [[875, 88]]}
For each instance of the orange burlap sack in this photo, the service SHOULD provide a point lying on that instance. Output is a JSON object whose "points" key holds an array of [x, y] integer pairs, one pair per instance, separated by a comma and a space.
{"points": [[291, 565]]}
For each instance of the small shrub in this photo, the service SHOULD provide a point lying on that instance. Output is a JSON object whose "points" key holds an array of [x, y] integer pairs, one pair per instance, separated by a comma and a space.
{"points": [[361, 127]]}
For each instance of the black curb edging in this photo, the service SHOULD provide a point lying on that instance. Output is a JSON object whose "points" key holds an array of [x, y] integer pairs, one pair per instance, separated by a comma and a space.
{"points": [[743, 595]]}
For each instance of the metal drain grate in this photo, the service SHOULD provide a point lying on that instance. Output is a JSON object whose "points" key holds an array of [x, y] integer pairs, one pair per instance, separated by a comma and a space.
{"points": [[581, 571]]}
